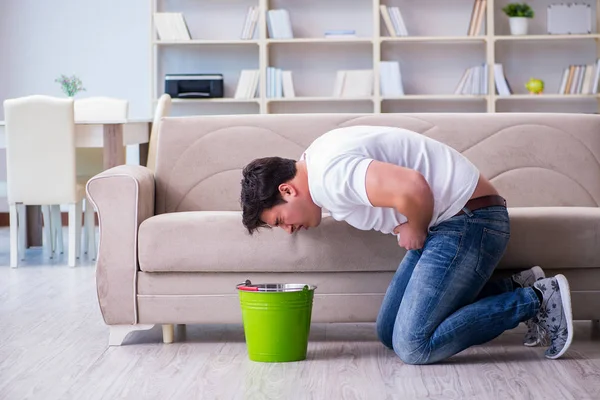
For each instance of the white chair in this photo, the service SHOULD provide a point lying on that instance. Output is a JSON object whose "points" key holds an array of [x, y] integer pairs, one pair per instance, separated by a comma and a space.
{"points": [[40, 150], [101, 109], [163, 108], [89, 161]]}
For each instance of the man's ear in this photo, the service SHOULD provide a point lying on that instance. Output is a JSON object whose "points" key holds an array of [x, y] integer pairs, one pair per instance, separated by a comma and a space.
{"points": [[286, 190]]}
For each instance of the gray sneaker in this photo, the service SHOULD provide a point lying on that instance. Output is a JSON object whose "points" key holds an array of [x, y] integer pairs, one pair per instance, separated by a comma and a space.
{"points": [[535, 335], [555, 315]]}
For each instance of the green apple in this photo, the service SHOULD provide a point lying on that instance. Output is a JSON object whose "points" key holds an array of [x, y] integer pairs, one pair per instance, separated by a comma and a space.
{"points": [[535, 86]]}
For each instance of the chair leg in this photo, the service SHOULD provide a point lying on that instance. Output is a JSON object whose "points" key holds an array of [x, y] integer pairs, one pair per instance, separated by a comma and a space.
{"points": [[48, 241], [57, 229], [78, 224], [74, 208], [89, 241], [14, 237], [84, 246], [22, 229]]}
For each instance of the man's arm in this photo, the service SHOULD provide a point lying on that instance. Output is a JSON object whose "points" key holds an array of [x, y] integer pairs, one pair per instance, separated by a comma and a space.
{"points": [[405, 190]]}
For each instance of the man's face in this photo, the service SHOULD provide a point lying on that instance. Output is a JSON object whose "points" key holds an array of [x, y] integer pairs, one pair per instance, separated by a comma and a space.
{"points": [[295, 214]]}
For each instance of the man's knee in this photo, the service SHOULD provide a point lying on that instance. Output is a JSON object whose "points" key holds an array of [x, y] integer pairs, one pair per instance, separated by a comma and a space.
{"points": [[384, 331], [411, 347]]}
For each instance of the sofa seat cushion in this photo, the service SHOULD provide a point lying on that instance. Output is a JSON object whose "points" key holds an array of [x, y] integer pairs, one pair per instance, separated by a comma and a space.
{"points": [[553, 237], [216, 241]]}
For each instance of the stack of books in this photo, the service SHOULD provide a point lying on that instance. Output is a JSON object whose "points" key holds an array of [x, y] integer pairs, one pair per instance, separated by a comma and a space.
{"points": [[390, 80], [580, 79], [393, 21], [279, 24], [279, 83], [353, 83], [171, 26], [250, 23], [474, 81], [477, 17], [247, 87]]}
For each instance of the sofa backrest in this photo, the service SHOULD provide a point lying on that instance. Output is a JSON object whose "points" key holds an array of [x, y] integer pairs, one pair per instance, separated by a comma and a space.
{"points": [[533, 159]]}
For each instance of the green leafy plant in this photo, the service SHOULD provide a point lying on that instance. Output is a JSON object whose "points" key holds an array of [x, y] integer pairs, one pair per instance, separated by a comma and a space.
{"points": [[70, 85], [518, 10]]}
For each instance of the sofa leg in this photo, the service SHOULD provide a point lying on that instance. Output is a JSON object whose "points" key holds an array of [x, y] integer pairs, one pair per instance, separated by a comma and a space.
{"points": [[168, 333], [181, 332], [118, 333]]}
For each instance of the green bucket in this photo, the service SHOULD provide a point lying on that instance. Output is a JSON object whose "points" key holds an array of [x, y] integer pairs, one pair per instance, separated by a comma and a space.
{"points": [[276, 319]]}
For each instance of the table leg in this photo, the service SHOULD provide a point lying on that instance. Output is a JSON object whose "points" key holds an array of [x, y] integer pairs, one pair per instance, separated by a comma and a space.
{"points": [[145, 147], [143, 154], [34, 226], [114, 151]]}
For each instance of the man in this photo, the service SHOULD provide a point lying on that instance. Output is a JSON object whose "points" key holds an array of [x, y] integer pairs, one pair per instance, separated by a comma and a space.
{"points": [[451, 220]]}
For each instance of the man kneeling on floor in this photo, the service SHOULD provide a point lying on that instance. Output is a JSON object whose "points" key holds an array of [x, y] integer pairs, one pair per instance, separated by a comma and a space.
{"points": [[449, 217]]}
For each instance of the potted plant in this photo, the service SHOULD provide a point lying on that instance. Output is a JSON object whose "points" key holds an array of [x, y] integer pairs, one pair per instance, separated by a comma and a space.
{"points": [[70, 85], [519, 14]]}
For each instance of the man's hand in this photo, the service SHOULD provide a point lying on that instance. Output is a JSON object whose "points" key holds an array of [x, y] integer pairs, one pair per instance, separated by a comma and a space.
{"points": [[411, 237], [408, 192]]}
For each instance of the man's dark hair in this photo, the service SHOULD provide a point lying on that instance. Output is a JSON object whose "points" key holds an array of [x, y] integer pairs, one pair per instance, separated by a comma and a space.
{"points": [[260, 188]]}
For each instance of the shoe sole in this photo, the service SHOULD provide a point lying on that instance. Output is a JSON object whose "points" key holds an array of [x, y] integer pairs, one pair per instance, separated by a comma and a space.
{"points": [[565, 295], [532, 344]]}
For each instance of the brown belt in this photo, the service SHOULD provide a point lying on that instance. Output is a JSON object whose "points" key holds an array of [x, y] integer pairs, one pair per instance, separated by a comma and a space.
{"points": [[481, 202]]}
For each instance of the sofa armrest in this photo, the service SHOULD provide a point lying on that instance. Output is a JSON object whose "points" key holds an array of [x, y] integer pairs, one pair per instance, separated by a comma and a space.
{"points": [[124, 198]]}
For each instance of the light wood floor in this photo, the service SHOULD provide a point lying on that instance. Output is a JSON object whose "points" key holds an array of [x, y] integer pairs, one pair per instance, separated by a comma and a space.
{"points": [[53, 345]]}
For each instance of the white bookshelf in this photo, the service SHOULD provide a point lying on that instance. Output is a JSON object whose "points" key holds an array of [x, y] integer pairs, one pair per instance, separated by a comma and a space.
{"points": [[432, 58]]}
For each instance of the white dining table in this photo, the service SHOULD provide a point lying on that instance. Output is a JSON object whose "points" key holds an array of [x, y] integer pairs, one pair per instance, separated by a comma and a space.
{"points": [[111, 136]]}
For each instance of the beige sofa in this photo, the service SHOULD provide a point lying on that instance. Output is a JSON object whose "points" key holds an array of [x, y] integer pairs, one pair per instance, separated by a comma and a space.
{"points": [[172, 245]]}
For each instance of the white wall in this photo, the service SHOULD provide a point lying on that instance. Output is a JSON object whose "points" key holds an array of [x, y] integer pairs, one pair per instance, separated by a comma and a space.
{"points": [[104, 42]]}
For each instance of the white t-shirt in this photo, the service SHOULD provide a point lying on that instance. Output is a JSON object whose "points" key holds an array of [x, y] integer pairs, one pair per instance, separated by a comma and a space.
{"points": [[337, 164]]}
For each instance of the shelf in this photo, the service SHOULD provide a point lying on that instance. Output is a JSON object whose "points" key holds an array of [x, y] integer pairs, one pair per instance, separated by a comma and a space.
{"points": [[432, 59], [203, 42], [216, 100], [547, 96], [460, 39], [436, 97], [320, 40], [316, 99], [547, 37]]}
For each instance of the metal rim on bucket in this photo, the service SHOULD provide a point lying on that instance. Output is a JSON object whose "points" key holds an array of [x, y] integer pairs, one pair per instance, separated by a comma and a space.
{"points": [[275, 287]]}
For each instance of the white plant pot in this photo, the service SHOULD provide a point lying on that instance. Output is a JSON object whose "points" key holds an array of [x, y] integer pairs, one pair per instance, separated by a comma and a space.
{"points": [[518, 25]]}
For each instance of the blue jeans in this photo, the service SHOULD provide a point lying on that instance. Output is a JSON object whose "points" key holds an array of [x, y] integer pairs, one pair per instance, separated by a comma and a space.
{"points": [[440, 301]]}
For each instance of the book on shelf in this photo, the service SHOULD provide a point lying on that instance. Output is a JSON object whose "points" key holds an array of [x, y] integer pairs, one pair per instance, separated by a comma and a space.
{"points": [[353, 83], [247, 84], [390, 79], [477, 17], [279, 24], [279, 83], [340, 34], [171, 26], [502, 86], [474, 81], [393, 21], [250, 23], [580, 79]]}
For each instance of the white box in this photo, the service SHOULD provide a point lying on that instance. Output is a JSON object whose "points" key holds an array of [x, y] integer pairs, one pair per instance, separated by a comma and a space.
{"points": [[571, 18]]}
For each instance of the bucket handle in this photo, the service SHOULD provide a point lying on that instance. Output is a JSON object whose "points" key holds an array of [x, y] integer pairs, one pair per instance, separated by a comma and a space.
{"points": [[247, 285]]}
